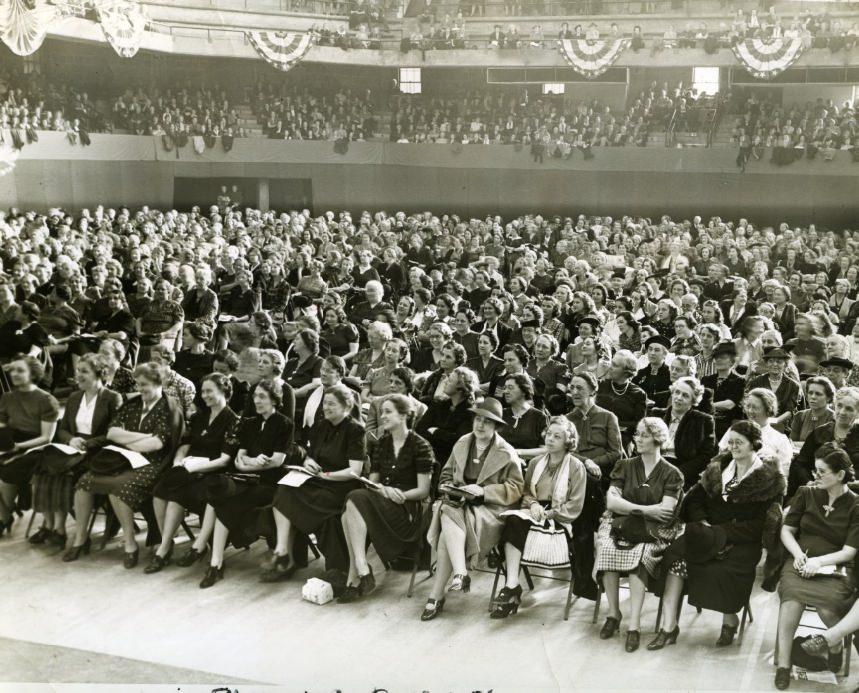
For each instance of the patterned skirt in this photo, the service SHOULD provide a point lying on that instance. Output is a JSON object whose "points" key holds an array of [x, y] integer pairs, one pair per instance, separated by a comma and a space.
{"points": [[132, 487], [55, 492], [617, 556]]}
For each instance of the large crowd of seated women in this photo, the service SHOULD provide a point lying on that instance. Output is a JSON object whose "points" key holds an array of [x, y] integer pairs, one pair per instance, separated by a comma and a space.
{"points": [[663, 401]]}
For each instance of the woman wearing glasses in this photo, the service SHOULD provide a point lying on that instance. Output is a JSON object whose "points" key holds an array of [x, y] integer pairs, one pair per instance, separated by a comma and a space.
{"points": [[821, 534]]}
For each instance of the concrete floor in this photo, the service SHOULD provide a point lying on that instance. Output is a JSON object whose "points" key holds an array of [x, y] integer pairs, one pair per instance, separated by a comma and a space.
{"points": [[93, 621]]}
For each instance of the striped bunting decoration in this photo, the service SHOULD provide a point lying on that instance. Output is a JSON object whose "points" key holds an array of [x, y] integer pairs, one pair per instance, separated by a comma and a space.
{"points": [[283, 50], [123, 24], [592, 58], [765, 59]]}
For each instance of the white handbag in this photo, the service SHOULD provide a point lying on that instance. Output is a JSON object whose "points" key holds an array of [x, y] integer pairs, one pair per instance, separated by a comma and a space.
{"points": [[547, 547]]}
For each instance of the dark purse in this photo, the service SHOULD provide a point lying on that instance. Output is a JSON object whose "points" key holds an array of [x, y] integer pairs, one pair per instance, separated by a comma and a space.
{"points": [[632, 529], [54, 462], [108, 463]]}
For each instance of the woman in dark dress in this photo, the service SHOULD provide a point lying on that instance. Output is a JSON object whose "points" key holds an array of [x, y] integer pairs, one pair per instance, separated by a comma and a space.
{"points": [[645, 485], [691, 440], [117, 323], [89, 411], [185, 485], [787, 390], [117, 377], [335, 456], [486, 364], [463, 319], [821, 529], [148, 425], [195, 360], [28, 419], [525, 424], [391, 516], [843, 430], [446, 421], [730, 514], [263, 442], [623, 398], [302, 373], [342, 336]]}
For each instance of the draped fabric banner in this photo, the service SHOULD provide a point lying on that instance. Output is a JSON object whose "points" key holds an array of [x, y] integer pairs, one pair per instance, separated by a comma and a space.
{"points": [[592, 58], [123, 24], [766, 58], [25, 23], [283, 50]]}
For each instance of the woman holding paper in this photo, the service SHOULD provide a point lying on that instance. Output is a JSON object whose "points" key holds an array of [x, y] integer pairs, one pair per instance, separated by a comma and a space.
{"points": [[83, 427], [821, 536], [185, 485], [639, 524], [145, 425], [482, 479], [555, 487], [262, 442], [390, 512], [335, 457], [28, 419]]}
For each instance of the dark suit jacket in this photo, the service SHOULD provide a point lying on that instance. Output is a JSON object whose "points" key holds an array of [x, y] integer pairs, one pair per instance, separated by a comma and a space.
{"points": [[107, 403], [694, 443], [786, 324], [732, 388], [717, 293], [735, 325]]}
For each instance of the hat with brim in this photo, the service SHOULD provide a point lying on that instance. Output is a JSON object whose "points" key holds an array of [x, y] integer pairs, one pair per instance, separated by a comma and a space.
{"points": [[779, 352], [725, 349], [593, 322], [660, 340], [490, 408], [838, 362]]}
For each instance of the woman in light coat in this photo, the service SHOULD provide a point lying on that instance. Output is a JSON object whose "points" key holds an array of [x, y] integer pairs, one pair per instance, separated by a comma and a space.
{"points": [[485, 472]]}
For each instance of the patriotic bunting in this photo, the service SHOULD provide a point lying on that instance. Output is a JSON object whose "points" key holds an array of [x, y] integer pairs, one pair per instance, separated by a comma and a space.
{"points": [[592, 58], [123, 24], [765, 58], [283, 50], [24, 24]]}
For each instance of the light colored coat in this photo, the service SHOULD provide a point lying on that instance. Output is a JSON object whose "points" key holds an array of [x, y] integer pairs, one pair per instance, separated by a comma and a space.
{"points": [[502, 483]]}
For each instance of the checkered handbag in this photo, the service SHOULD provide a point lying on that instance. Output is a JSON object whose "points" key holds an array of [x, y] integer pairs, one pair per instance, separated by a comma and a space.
{"points": [[547, 546]]}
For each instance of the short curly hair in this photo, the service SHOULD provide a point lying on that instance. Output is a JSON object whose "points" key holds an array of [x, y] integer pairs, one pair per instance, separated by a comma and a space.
{"points": [[693, 384], [571, 434], [656, 428], [767, 399]]}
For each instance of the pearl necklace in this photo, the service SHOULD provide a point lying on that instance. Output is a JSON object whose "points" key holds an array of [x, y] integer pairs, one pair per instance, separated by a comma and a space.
{"points": [[622, 392]]}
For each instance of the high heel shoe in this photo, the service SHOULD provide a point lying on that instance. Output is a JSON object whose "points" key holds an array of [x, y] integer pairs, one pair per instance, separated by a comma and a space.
{"points": [[58, 540], [460, 583], [507, 602], [131, 559], [664, 638], [726, 637], [74, 553], [432, 609], [190, 557], [157, 563], [213, 574], [41, 535], [281, 568], [633, 640], [367, 583], [609, 628]]}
